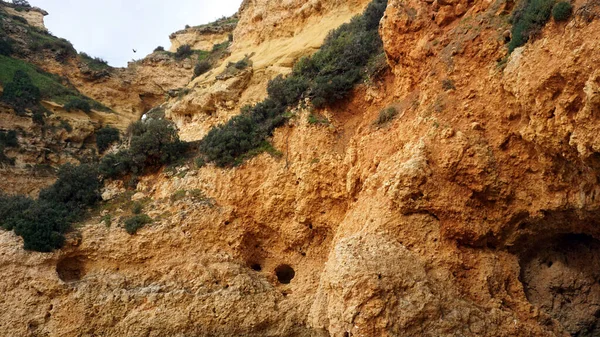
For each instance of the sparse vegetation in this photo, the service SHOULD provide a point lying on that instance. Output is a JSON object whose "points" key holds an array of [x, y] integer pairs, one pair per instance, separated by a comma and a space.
{"points": [[136, 222], [21, 93], [386, 116], [40, 41], [528, 19], [201, 68], [207, 59], [234, 68], [105, 137], [94, 63], [106, 220], [327, 76], [159, 48], [51, 87], [218, 47], [562, 11], [21, 3], [314, 119], [221, 22], [78, 104], [448, 84]]}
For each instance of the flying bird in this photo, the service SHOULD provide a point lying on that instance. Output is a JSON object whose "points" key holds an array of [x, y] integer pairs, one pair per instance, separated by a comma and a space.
{"points": [[135, 51]]}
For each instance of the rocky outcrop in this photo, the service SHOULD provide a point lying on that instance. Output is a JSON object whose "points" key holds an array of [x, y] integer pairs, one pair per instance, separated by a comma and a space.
{"points": [[33, 15], [204, 37], [64, 137]]}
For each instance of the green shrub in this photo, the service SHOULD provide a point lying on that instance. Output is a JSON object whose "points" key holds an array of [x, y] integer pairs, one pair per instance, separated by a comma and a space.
{"points": [[287, 91], [116, 165], [20, 19], [386, 115], [327, 76], [105, 137], [133, 224], [315, 120], [65, 125], [6, 47], [226, 143], [241, 64], [77, 187], [159, 48], [183, 51], [200, 162], [10, 209], [201, 68], [528, 20], [153, 143], [137, 207], [9, 138], [78, 104], [21, 93], [562, 11], [178, 195], [42, 223], [220, 46], [42, 226], [339, 64], [106, 220], [4, 159], [38, 118]]}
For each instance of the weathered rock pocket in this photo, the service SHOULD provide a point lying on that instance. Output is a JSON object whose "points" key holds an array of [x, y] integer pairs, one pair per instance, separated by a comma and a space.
{"points": [[561, 276]]}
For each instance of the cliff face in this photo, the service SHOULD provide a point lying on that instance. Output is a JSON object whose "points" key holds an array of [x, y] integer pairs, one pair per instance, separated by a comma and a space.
{"points": [[473, 213], [272, 35], [68, 137]]}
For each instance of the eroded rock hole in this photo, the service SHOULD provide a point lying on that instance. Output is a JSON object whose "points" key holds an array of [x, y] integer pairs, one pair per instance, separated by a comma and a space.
{"points": [[285, 273], [71, 269], [256, 267], [561, 276]]}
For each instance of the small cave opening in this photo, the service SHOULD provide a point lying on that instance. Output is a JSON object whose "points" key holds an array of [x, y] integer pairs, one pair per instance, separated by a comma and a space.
{"points": [[285, 273], [561, 276], [256, 266], [71, 269]]}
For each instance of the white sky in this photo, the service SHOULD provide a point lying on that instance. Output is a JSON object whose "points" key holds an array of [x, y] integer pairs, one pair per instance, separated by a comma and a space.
{"points": [[110, 29]]}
